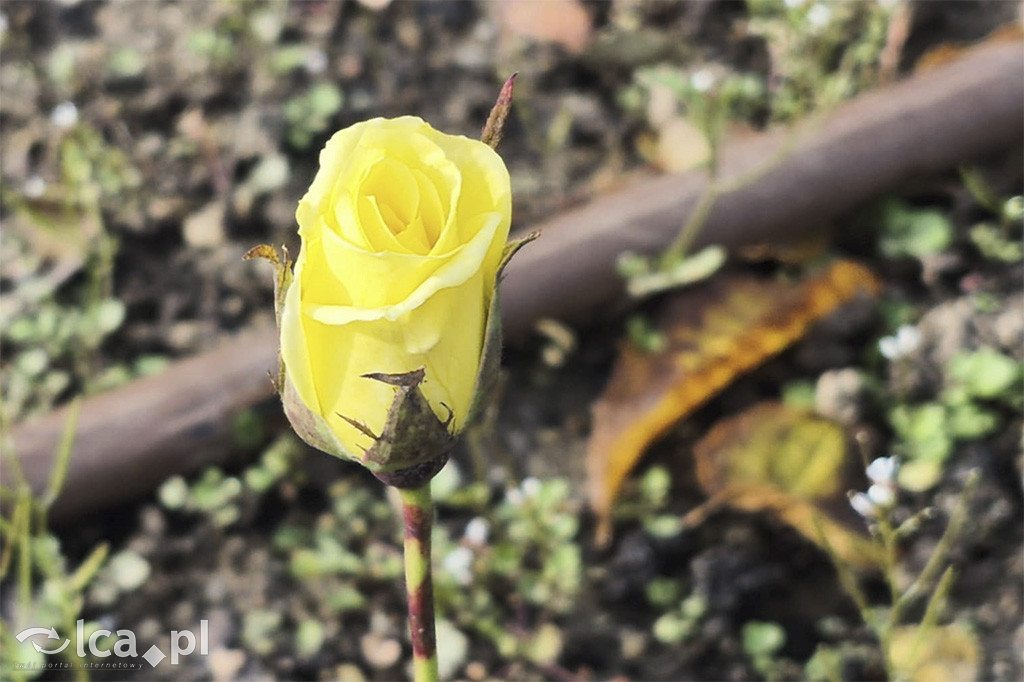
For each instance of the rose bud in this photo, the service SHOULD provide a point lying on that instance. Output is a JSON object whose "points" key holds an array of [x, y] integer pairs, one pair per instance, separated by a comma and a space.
{"points": [[389, 323]]}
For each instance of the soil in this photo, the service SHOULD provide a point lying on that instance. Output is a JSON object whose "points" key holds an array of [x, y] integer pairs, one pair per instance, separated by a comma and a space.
{"points": [[200, 98]]}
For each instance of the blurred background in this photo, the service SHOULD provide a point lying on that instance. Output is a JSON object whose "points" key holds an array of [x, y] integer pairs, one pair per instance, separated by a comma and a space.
{"points": [[146, 146]]}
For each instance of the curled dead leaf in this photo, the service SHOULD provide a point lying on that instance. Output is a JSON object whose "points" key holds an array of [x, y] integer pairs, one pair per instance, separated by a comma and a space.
{"points": [[715, 333]]}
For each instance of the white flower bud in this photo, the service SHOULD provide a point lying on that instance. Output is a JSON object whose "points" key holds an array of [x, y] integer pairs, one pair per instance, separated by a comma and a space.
{"points": [[882, 496], [883, 470], [863, 505]]}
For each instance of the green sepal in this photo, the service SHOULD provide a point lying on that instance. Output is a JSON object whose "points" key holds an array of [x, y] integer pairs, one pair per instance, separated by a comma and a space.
{"points": [[490, 363], [490, 357], [310, 426], [511, 249], [412, 448], [414, 443]]}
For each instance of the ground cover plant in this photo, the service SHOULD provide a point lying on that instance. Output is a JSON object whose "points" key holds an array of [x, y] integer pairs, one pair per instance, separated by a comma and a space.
{"points": [[145, 147]]}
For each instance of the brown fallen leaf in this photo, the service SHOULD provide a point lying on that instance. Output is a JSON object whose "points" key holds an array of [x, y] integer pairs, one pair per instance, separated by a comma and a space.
{"points": [[791, 464], [714, 333]]}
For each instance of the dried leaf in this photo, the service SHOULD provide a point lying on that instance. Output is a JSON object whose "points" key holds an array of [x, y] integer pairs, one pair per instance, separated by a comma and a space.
{"points": [[948, 652], [791, 464], [714, 334], [771, 444]]}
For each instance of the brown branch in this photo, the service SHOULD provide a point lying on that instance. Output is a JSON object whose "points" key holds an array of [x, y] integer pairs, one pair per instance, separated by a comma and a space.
{"points": [[132, 438]]}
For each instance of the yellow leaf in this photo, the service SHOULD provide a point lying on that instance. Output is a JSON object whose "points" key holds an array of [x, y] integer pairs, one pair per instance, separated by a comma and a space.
{"points": [[771, 444], [788, 463], [715, 333]]}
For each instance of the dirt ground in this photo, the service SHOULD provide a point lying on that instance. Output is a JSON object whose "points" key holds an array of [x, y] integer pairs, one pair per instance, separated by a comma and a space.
{"points": [[192, 130]]}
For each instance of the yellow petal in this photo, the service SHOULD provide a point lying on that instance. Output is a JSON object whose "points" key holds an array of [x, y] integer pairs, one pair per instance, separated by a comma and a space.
{"points": [[409, 280], [485, 180], [343, 353], [294, 352], [432, 212]]}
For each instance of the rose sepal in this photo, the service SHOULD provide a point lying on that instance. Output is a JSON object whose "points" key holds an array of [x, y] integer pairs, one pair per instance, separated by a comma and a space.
{"points": [[414, 444], [490, 357], [310, 426]]}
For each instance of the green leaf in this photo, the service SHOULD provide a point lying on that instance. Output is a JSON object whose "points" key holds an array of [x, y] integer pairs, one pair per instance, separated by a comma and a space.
{"points": [[920, 475], [173, 493], [969, 421], [919, 423], [762, 639], [985, 373], [913, 232], [309, 638], [88, 569], [60, 467]]}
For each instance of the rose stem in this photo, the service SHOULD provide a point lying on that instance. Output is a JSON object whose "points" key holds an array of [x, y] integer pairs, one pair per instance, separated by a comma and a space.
{"points": [[418, 515]]}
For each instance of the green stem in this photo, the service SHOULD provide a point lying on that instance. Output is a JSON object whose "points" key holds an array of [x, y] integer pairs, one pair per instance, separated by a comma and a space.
{"points": [[418, 516]]}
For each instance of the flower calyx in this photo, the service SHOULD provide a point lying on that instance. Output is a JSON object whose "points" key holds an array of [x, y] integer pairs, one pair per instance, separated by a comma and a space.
{"points": [[414, 444]]}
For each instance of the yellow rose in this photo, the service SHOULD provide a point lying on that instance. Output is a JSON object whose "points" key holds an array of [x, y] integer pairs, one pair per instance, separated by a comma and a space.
{"points": [[403, 231]]}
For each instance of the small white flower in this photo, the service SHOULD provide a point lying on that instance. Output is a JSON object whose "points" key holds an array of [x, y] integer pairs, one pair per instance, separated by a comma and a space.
{"points": [[906, 340], [863, 505], [793, 4], [459, 564], [702, 80], [476, 531], [883, 496], [530, 487], [818, 16], [64, 115], [883, 470]]}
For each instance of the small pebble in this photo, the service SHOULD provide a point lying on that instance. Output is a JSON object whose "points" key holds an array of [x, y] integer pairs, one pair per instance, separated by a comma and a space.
{"points": [[225, 664], [476, 671], [839, 395], [205, 228], [380, 652]]}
